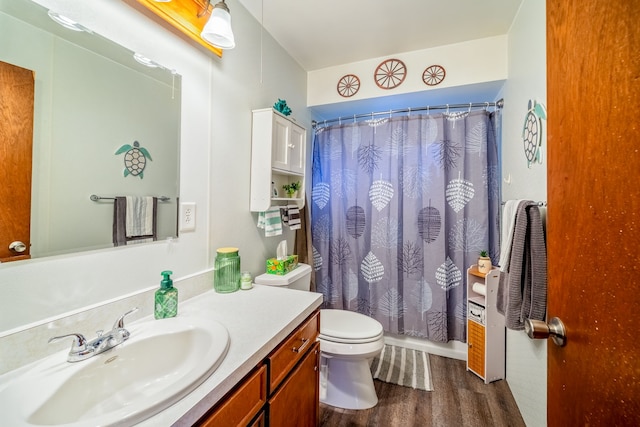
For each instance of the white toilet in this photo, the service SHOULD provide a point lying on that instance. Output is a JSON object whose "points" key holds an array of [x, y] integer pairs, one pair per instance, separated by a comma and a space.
{"points": [[347, 341]]}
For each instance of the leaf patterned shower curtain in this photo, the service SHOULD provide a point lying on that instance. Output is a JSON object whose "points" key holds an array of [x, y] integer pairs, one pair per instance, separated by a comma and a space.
{"points": [[400, 209]]}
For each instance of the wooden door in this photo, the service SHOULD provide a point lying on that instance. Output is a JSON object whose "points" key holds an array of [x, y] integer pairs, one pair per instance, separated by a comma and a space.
{"points": [[16, 140], [593, 92]]}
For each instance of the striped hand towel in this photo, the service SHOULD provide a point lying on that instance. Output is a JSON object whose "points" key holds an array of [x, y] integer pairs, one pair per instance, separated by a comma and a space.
{"points": [[270, 221], [293, 214]]}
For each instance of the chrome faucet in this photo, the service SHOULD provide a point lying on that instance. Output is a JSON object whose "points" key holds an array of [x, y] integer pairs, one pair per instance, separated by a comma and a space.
{"points": [[81, 349]]}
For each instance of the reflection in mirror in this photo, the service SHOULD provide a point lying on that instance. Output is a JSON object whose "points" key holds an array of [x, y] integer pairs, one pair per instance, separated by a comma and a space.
{"points": [[94, 108]]}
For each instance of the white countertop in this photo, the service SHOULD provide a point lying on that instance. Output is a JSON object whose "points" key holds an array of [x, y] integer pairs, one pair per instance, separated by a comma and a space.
{"points": [[257, 321]]}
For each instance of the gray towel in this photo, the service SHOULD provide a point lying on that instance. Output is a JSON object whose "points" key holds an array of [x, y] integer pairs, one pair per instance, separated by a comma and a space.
{"points": [[522, 289], [120, 237]]}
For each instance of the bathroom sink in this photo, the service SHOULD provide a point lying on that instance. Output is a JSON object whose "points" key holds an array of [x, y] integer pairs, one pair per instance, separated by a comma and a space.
{"points": [[163, 361]]}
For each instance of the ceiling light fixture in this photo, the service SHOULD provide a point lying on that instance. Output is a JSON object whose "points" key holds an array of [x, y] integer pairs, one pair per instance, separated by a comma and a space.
{"points": [[67, 23], [217, 31]]}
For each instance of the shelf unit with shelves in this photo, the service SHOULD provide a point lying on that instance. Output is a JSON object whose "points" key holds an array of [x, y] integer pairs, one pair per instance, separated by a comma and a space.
{"points": [[278, 157], [485, 326]]}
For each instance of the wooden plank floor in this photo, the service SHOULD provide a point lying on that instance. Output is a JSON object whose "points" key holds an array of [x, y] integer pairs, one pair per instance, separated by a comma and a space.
{"points": [[459, 399]]}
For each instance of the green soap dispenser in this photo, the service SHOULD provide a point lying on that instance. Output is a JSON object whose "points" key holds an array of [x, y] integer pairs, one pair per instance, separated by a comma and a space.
{"points": [[166, 300]]}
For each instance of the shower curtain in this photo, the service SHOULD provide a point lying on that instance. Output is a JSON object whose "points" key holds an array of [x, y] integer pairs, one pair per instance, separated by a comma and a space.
{"points": [[400, 208]]}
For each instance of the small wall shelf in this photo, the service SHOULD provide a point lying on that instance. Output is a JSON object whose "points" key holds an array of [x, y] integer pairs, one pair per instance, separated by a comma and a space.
{"points": [[278, 156], [485, 326]]}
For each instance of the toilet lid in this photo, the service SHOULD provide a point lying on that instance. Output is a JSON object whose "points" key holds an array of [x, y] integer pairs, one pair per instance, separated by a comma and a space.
{"points": [[343, 325]]}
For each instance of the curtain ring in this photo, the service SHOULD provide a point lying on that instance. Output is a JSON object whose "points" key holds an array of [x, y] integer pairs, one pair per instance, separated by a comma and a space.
{"points": [[339, 121], [409, 115], [354, 118], [486, 106], [447, 108], [389, 114], [469, 108], [428, 110]]}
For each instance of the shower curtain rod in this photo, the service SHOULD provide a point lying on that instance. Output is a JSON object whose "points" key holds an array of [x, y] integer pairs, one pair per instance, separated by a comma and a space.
{"points": [[499, 104]]}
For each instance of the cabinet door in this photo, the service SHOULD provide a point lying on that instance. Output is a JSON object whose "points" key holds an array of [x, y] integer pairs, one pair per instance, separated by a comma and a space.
{"points": [[280, 143], [297, 401], [297, 149], [242, 405], [475, 342]]}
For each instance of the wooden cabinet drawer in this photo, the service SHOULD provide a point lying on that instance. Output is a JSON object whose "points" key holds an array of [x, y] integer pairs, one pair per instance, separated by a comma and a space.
{"points": [[242, 404], [285, 357]]}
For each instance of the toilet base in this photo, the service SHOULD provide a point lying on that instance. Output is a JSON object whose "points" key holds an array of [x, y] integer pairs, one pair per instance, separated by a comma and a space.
{"points": [[347, 383]]}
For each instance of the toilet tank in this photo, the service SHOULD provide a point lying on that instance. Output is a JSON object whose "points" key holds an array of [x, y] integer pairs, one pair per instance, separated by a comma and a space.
{"points": [[299, 278]]}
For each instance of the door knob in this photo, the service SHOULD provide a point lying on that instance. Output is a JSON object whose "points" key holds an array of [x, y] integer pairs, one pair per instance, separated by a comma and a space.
{"points": [[537, 329], [17, 247]]}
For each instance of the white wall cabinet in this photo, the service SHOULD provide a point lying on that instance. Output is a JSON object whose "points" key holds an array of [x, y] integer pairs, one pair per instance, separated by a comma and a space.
{"points": [[278, 157], [485, 326]]}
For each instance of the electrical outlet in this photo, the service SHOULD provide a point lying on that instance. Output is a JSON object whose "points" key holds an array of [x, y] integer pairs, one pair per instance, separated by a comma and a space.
{"points": [[187, 216]]}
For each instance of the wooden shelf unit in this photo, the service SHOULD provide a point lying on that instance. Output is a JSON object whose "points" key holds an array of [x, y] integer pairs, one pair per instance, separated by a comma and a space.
{"points": [[485, 326]]}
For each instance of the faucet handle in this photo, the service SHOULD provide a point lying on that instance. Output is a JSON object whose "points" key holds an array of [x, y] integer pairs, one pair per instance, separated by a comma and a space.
{"points": [[79, 341], [119, 324]]}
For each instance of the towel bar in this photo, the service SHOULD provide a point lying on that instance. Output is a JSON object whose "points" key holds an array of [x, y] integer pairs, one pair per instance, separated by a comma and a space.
{"points": [[95, 198], [536, 203]]}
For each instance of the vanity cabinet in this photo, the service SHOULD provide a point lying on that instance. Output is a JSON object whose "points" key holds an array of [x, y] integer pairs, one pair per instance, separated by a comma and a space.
{"points": [[283, 390], [278, 157], [485, 326]]}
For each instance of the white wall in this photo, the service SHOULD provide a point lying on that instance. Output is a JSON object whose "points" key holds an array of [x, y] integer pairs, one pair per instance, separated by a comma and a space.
{"points": [[526, 359], [218, 94]]}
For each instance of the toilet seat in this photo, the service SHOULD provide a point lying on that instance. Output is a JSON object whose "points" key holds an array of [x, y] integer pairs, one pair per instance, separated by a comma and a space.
{"points": [[351, 350], [341, 326]]}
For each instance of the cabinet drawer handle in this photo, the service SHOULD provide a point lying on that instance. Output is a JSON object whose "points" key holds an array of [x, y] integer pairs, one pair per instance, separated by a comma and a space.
{"points": [[305, 341]]}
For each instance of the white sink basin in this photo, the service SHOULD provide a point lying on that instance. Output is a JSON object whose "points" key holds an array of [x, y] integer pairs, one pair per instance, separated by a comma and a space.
{"points": [[162, 362]]}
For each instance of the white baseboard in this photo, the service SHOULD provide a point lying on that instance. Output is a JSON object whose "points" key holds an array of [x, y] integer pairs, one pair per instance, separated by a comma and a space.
{"points": [[451, 349]]}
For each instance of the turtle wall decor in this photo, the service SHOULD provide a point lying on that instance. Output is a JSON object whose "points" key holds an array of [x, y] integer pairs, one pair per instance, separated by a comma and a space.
{"points": [[532, 132], [135, 159]]}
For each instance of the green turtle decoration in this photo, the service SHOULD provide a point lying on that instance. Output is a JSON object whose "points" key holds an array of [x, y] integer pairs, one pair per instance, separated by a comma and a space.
{"points": [[532, 132], [135, 159]]}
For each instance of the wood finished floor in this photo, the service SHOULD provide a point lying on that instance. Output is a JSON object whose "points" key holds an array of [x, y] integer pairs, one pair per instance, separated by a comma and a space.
{"points": [[459, 399]]}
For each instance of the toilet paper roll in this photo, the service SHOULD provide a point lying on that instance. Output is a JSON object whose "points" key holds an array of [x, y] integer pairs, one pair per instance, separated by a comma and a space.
{"points": [[479, 288]]}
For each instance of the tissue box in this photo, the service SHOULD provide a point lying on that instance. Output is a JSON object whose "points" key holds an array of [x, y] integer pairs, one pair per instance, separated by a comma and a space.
{"points": [[282, 266]]}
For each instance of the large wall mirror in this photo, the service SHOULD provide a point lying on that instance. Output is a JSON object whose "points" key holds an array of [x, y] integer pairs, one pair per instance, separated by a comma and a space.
{"points": [[91, 99]]}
